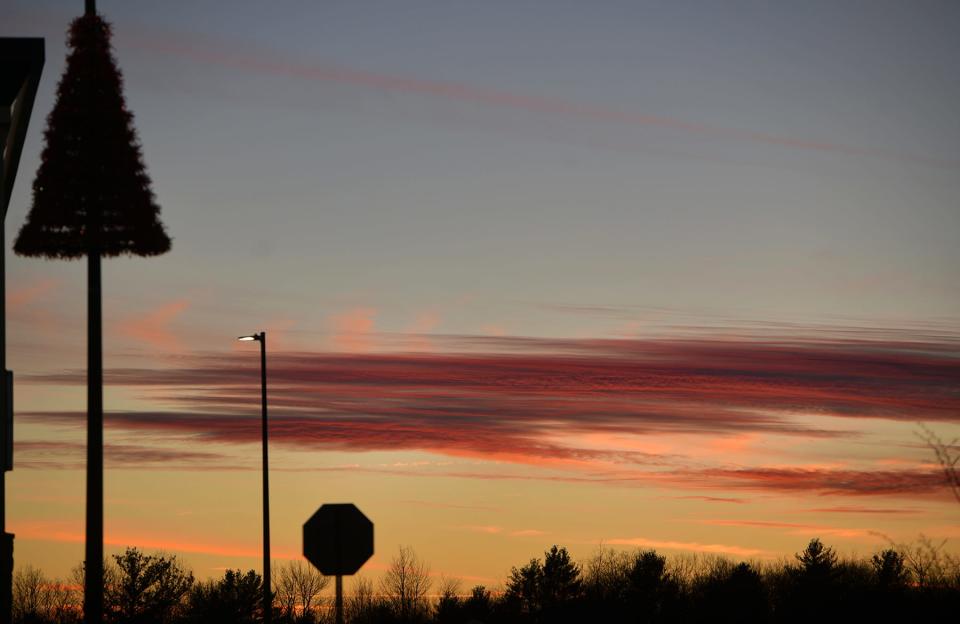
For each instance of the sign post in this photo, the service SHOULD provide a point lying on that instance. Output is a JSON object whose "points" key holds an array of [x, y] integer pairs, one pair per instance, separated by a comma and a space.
{"points": [[338, 540]]}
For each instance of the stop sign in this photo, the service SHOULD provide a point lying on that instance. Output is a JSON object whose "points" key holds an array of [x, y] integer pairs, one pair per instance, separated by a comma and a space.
{"points": [[338, 539]]}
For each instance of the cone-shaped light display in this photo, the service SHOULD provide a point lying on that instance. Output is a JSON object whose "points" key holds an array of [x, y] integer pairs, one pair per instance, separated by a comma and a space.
{"points": [[92, 198], [92, 192]]}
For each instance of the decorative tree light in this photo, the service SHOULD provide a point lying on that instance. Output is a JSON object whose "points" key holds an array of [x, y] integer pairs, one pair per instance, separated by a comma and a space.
{"points": [[92, 198]]}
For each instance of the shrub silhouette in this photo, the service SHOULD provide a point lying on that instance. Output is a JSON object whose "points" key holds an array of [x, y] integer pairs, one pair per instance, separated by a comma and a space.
{"points": [[617, 588], [734, 594], [479, 605], [890, 569], [233, 599]]}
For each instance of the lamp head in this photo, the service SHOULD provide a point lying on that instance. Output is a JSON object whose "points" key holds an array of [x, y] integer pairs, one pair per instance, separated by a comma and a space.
{"points": [[251, 338]]}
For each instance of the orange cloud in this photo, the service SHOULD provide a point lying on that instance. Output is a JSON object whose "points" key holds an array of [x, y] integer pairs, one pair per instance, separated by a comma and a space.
{"points": [[793, 528], [425, 322], [279, 330], [154, 327], [422, 325], [491, 329], [734, 444], [856, 509], [527, 533], [59, 531], [352, 330], [726, 549], [498, 530], [18, 297], [488, 529]]}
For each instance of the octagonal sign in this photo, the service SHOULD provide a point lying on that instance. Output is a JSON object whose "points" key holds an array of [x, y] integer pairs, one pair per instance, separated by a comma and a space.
{"points": [[338, 539]]}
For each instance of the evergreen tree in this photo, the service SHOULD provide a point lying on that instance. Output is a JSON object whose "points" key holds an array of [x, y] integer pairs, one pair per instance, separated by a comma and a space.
{"points": [[524, 586], [652, 591], [813, 591], [479, 605], [817, 561], [560, 581]]}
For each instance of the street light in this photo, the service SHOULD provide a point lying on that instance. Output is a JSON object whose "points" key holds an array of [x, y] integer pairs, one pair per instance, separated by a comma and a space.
{"points": [[267, 596]]}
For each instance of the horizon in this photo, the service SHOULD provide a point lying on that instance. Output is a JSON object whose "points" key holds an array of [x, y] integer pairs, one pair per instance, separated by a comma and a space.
{"points": [[680, 278]]}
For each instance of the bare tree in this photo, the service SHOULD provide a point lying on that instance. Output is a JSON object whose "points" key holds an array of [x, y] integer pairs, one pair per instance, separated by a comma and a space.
{"points": [[449, 586], [77, 579], [607, 573], [362, 601], [37, 598], [298, 587], [285, 592], [32, 597], [66, 599], [448, 599], [948, 455], [406, 584], [929, 563]]}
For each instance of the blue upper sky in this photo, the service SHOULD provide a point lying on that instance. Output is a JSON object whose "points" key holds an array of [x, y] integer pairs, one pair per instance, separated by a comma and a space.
{"points": [[485, 162]]}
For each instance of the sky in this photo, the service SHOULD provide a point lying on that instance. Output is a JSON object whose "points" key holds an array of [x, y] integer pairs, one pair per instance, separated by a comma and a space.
{"points": [[664, 275]]}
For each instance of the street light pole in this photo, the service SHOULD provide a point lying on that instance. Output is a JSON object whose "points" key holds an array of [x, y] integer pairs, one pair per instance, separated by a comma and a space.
{"points": [[267, 594], [93, 580]]}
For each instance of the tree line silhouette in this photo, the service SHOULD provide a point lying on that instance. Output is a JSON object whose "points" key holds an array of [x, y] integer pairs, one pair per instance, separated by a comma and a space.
{"points": [[903, 582]]}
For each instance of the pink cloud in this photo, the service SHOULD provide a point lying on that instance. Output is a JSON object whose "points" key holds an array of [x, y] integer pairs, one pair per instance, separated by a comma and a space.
{"points": [[25, 295], [154, 327], [35, 319], [492, 329], [352, 330], [855, 509], [71, 455], [242, 55], [236, 55], [826, 481], [541, 402], [423, 324], [714, 499]]}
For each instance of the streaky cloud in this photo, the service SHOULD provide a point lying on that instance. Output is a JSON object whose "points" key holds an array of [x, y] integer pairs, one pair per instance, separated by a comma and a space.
{"points": [[529, 400]]}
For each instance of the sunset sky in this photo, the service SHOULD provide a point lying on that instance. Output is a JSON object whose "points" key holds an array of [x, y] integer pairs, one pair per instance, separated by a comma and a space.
{"points": [[672, 275]]}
